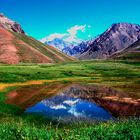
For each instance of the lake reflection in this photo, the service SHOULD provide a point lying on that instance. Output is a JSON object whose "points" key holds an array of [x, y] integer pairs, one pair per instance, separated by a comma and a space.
{"points": [[76, 101], [66, 108]]}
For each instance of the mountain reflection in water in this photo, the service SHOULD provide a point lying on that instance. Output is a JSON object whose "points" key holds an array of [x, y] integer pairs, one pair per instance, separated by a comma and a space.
{"points": [[75, 101]]}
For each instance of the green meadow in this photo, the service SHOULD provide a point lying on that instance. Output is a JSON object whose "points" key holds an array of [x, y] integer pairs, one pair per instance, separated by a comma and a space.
{"points": [[106, 72], [15, 125]]}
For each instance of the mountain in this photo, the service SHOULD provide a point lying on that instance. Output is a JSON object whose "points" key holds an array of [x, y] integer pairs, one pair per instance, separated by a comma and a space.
{"points": [[10, 25], [76, 50], [71, 49], [16, 47], [132, 52], [58, 43], [116, 38]]}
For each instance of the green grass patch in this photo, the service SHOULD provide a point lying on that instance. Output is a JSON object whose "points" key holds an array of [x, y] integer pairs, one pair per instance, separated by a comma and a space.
{"points": [[14, 124]]}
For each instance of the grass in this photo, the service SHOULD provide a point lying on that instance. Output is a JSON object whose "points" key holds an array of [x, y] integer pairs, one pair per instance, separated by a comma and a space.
{"points": [[102, 71], [16, 125], [103, 131], [129, 56], [54, 54]]}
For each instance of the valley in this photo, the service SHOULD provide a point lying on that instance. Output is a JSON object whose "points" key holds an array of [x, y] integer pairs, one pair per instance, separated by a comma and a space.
{"points": [[66, 88]]}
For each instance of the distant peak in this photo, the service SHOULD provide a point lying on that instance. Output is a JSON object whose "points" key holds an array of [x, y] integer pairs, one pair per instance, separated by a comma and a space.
{"points": [[2, 15], [9, 24], [124, 24]]}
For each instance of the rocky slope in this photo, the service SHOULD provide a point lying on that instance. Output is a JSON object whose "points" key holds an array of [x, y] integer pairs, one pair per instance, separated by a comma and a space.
{"points": [[75, 50], [116, 38], [10, 25], [16, 47], [132, 52]]}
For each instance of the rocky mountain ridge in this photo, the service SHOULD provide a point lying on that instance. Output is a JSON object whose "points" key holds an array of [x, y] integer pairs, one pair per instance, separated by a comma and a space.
{"points": [[130, 53], [116, 38], [10, 24], [68, 48]]}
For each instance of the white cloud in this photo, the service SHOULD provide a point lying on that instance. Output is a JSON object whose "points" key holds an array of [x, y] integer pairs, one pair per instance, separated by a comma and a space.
{"points": [[58, 107], [74, 30], [70, 102], [75, 113], [73, 39], [70, 36], [56, 35], [53, 36]]}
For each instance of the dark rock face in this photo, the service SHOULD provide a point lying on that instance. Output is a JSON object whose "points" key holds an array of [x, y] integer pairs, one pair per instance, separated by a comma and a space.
{"points": [[116, 38], [68, 48], [10, 25], [1, 15], [17, 28], [75, 50]]}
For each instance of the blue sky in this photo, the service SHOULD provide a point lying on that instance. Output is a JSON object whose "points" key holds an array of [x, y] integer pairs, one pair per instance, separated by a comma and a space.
{"points": [[41, 18]]}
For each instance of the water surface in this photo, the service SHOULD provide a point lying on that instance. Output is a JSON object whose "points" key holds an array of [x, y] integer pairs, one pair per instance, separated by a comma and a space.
{"points": [[73, 102]]}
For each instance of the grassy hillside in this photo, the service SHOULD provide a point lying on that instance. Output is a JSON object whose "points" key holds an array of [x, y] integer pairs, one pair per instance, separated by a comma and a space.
{"points": [[130, 53], [54, 54], [18, 48]]}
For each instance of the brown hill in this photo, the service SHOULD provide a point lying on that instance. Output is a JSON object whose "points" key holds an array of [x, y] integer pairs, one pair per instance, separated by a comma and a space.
{"points": [[16, 47]]}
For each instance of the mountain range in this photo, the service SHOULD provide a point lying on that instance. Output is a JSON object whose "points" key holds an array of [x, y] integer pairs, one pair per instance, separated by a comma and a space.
{"points": [[68, 48], [58, 43], [118, 37], [16, 47], [120, 41]]}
